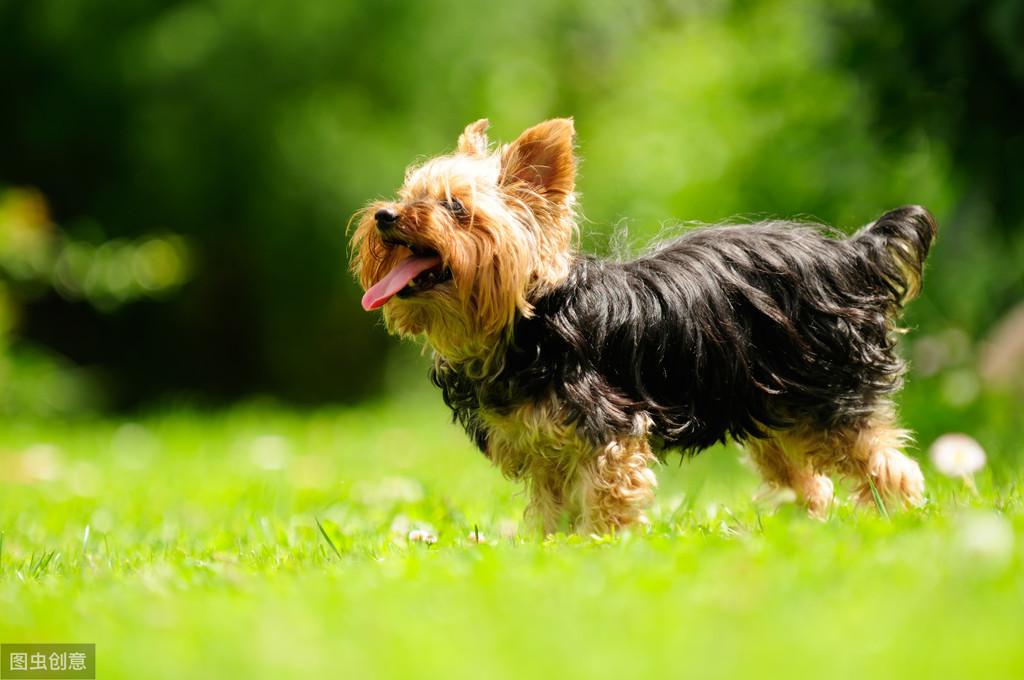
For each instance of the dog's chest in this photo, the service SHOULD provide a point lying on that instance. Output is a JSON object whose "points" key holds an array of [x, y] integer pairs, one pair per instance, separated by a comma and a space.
{"points": [[534, 433]]}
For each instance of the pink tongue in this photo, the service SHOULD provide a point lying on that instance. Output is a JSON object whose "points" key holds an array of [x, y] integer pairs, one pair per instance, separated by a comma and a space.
{"points": [[395, 280]]}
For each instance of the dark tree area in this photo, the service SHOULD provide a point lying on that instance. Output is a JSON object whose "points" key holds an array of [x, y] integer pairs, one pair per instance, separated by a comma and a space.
{"points": [[954, 70], [126, 130]]}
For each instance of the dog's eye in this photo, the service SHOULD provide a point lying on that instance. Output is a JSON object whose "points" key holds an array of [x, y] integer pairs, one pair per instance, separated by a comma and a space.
{"points": [[454, 206]]}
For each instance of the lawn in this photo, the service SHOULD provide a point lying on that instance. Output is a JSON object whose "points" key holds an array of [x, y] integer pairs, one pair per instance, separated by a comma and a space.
{"points": [[186, 545]]}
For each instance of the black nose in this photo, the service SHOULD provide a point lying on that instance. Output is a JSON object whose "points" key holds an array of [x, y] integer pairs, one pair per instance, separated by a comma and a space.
{"points": [[385, 218]]}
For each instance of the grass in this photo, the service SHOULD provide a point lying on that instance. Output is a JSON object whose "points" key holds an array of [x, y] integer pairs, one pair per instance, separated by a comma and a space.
{"points": [[265, 543]]}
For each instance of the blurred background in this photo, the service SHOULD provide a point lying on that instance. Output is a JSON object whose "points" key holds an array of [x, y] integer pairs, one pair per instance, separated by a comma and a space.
{"points": [[176, 177]]}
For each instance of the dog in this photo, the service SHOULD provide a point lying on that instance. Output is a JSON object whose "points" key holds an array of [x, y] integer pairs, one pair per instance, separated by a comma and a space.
{"points": [[577, 374]]}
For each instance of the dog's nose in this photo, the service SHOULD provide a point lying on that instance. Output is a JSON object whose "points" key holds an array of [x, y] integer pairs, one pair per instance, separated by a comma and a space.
{"points": [[386, 218]]}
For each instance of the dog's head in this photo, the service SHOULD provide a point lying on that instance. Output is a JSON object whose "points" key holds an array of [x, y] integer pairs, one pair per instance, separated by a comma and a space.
{"points": [[470, 238]]}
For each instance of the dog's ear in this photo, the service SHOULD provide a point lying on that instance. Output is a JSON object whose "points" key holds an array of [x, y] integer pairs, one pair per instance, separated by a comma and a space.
{"points": [[542, 159], [473, 140]]}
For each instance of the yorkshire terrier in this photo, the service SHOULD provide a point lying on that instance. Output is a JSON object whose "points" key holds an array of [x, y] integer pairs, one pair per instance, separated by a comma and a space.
{"points": [[575, 374]]}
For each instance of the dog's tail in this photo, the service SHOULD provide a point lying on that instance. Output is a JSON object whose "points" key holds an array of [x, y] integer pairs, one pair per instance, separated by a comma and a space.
{"points": [[895, 247]]}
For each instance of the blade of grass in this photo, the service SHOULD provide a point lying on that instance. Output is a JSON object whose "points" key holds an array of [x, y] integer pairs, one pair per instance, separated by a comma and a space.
{"points": [[38, 567], [878, 498], [326, 537], [85, 545]]}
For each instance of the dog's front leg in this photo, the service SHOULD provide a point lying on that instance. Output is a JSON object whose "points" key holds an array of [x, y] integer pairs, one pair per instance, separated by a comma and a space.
{"points": [[614, 485], [551, 507]]}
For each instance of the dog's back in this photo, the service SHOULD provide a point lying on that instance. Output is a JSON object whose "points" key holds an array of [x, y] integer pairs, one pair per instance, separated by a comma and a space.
{"points": [[729, 330]]}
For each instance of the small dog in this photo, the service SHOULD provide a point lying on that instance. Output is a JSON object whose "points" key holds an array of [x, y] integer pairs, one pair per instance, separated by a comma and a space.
{"points": [[575, 374]]}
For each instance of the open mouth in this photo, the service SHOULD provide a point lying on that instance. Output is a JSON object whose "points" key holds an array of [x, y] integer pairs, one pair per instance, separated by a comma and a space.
{"points": [[420, 271], [428, 278]]}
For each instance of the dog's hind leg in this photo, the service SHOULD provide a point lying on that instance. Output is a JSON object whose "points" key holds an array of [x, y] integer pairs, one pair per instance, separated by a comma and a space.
{"points": [[788, 461], [871, 455]]}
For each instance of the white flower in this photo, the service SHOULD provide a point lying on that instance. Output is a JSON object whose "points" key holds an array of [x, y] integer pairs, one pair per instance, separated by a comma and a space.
{"points": [[987, 536], [957, 455], [41, 462], [269, 452], [508, 528], [389, 491], [422, 536], [400, 525]]}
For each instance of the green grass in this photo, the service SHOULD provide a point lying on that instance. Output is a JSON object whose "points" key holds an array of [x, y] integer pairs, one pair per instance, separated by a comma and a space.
{"points": [[265, 543]]}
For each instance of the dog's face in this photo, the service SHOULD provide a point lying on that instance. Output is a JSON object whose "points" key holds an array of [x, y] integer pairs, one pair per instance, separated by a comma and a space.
{"points": [[470, 238]]}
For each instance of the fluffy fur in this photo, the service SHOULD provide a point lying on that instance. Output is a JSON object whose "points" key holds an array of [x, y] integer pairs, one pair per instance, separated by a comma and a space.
{"points": [[574, 374]]}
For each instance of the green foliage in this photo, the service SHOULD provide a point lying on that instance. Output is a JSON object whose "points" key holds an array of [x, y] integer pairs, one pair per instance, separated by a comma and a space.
{"points": [[35, 258], [952, 75], [257, 130], [266, 544], [34, 253]]}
